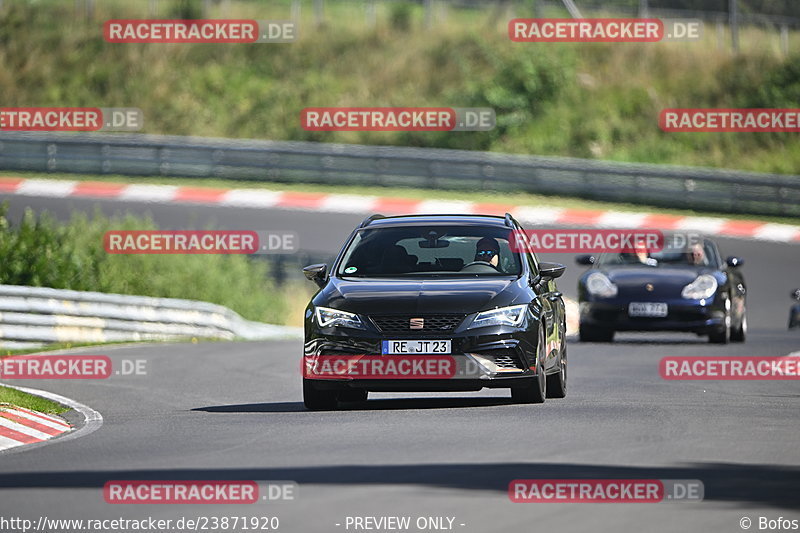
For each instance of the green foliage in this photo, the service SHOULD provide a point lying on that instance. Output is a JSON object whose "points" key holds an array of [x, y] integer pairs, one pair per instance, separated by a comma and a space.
{"points": [[42, 252], [582, 100], [400, 16], [17, 398]]}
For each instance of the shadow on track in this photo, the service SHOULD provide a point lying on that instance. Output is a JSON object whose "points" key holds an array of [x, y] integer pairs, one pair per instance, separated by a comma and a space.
{"points": [[371, 405], [756, 484]]}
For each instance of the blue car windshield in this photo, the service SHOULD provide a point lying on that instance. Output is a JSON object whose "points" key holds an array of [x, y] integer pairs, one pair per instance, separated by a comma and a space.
{"points": [[697, 255]]}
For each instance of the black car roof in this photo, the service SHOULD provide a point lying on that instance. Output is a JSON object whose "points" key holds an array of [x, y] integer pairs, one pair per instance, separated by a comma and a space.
{"points": [[462, 220]]}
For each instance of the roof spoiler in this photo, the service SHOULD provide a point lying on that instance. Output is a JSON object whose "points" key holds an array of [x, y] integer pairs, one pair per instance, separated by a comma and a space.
{"points": [[369, 219]]}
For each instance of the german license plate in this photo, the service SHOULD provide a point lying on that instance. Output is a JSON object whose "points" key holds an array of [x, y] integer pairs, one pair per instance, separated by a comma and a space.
{"points": [[415, 347], [647, 309]]}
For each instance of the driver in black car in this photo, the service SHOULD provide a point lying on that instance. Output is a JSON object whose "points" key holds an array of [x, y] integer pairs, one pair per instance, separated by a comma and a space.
{"points": [[488, 250]]}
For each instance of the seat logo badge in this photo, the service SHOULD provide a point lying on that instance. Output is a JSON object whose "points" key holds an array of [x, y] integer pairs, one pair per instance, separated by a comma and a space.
{"points": [[649, 287], [416, 323]]}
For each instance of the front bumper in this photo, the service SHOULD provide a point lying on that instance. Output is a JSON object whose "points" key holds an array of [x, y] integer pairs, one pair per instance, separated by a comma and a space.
{"points": [[495, 357], [682, 315]]}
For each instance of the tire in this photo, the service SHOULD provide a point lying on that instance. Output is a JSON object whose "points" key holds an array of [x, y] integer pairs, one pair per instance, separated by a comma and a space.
{"points": [[557, 383], [353, 395], [740, 334], [794, 317], [722, 335], [535, 390], [595, 334], [318, 400]]}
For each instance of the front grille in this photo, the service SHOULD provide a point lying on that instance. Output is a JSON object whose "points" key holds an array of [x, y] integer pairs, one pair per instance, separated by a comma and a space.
{"points": [[502, 359], [401, 324], [506, 361]]}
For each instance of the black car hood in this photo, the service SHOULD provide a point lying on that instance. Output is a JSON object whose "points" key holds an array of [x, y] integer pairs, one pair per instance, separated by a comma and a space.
{"points": [[400, 296]]}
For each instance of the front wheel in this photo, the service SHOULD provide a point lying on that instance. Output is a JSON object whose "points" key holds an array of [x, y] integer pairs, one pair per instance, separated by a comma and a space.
{"points": [[534, 390], [557, 383], [723, 334], [740, 334], [318, 400]]}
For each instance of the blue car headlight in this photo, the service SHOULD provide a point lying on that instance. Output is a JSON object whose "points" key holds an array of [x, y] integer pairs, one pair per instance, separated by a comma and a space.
{"points": [[327, 317], [504, 316], [598, 284], [703, 287]]}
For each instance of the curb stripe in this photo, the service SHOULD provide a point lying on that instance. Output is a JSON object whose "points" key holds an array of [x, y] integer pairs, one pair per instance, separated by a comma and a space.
{"points": [[98, 189], [54, 188], [6, 443], [53, 419], [10, 184], [40, 418], [25, 430], [30, 423], [580, 217], [20, 438], [301, 200], [149, 193], [395, 206], [199, 195], [347, 203], [92, 420], [657, 220], [250, 198]]}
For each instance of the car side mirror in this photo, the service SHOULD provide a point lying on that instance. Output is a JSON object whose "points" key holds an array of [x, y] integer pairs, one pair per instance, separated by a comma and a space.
{"points": [[796, 294], [317, 274], [584, 260], [551, 270], [734, 261]]}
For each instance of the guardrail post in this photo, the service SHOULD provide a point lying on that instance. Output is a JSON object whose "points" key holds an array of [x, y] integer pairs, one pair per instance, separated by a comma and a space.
{"points": [[296, 7], [163, 164], [52, 152], [319, 13], [733, 11], [371, 14], [785, 39]]}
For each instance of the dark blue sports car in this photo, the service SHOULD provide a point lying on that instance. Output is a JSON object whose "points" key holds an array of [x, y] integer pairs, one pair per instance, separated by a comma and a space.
{"points": [[688, 288]]}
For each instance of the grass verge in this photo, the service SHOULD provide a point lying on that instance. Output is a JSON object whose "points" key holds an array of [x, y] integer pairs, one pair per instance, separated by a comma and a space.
{"points": [[16, 398]]}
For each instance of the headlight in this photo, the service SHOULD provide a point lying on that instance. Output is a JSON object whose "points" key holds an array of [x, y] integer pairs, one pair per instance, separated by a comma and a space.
{"points": [[505, 316], [703, 287], [327, 317], [599, 285]]}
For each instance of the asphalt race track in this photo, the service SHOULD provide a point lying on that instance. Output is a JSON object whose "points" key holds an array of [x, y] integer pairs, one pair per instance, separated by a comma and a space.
{"points": [[219, 411]]}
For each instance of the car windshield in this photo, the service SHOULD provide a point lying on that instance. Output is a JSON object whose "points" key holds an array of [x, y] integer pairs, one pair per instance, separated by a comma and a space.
{"points": [[695, 255], [427, 250]]}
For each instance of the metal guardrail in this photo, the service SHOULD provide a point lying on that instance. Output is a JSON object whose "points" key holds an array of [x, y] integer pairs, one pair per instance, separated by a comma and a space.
{"points": [[37, 315], [342, 164]]}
